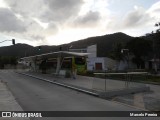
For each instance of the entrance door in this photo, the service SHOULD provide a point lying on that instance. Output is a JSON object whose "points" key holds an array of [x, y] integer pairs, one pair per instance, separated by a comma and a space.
{"points": [[98, 66]]}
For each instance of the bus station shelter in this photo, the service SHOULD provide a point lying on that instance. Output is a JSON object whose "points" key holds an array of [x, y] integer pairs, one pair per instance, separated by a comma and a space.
{"points": [[57, 62]]}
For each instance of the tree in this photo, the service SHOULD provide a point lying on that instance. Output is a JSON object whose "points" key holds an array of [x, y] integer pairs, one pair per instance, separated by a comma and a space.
{"points": [[156, 45], [157, 40], [7, 60], [116, 53], [140, 49], [13, 60]]}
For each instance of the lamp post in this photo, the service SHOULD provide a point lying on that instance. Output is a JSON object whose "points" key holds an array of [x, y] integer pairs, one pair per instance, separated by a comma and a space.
{"points": [[69, 47], [126, 52]]}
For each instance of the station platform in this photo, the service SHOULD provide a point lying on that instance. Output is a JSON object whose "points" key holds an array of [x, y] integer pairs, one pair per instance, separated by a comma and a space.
{"points": [[104, 88]]}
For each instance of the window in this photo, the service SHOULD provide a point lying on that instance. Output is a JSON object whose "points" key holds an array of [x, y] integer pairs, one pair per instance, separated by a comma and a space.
{"points": [[79, 60]]}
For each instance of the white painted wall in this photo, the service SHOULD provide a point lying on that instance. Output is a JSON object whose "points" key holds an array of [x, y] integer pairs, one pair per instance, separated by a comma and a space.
{"points": [[93, 50], [92, 61]]}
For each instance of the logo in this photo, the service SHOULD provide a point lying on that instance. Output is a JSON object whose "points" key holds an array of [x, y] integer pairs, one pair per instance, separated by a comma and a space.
{"points": [[6, 114]]}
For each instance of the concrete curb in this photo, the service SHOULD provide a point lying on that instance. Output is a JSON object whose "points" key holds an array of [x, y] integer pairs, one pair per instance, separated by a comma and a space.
{"points": [[64, 85], [104, 95], [8, 102]]}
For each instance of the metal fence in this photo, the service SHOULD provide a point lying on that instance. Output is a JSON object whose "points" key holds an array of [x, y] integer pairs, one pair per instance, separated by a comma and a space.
{"points": [[118, 81]]}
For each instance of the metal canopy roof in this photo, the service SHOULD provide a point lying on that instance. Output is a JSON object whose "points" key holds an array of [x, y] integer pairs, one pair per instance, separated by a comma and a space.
{"points": [[55, 54]]}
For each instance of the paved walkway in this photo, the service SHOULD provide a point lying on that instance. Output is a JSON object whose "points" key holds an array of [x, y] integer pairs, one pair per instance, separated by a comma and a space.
{"points": [[111, 87], [8, 102], [89, 82]]}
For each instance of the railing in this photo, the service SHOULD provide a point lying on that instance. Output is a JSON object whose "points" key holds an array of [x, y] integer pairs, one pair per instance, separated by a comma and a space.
{"points": [[117, 81]]}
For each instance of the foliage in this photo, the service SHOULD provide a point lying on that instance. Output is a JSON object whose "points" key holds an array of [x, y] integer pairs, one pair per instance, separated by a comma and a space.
{"points": [[138, 61], [116, 52], [140, 48], [150, 79], [156, 43], [7, 60]]}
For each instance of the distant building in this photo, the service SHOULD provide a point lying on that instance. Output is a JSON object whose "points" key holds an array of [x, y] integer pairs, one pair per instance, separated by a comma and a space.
{"points": [[94, 62], [82, 50], [98, 63]]}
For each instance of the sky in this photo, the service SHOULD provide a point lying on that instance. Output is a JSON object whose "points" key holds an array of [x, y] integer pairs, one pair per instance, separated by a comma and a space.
{"points": [[55, 22]]}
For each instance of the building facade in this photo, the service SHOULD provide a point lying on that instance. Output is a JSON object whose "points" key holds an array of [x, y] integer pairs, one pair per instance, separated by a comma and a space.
{"points": [[95, 63]]}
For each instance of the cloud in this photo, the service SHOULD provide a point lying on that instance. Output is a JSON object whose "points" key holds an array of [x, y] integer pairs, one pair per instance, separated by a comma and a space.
{"points": [[52, 29], [87, 20], [154, 11], [138, 21], [9, 22], [61, 10], [33, 8], [39, 19], [46, 10], [137, 17], [23, 16], [141, 18]]}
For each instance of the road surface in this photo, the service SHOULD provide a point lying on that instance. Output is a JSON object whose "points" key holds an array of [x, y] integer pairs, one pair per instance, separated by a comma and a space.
{"points": [[37, 95]]}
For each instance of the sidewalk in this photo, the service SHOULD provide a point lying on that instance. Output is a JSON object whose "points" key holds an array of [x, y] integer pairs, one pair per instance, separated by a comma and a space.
{"points": [[8, 102], [104, 88], [145, 100]]}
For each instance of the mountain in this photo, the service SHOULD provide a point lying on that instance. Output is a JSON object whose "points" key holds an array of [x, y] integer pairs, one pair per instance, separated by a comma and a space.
{"points": [[14, 50], [104, 46], [104, 43]]}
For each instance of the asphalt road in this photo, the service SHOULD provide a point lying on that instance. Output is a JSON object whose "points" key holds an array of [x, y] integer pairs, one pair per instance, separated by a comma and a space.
{"points": [[37, 95]]}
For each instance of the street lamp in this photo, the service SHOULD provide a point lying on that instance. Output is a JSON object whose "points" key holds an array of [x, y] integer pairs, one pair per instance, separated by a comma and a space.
{"points": [[126, 52], [39, 48], [69, 47]]}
